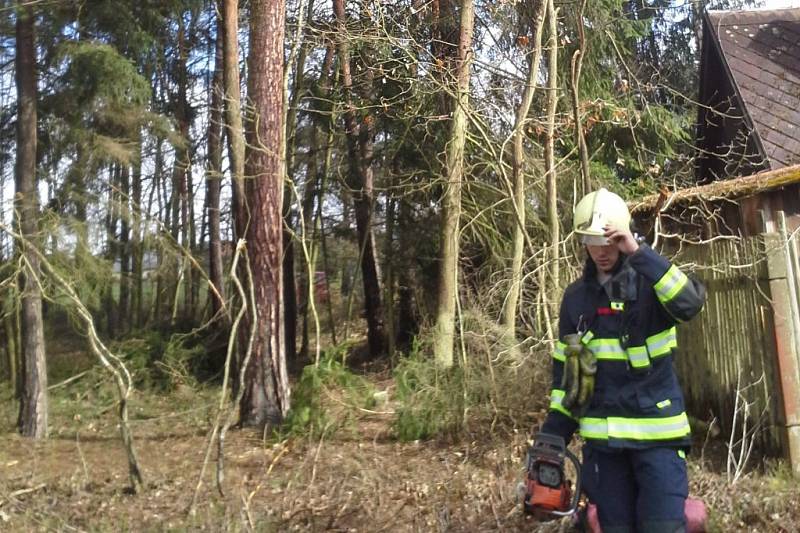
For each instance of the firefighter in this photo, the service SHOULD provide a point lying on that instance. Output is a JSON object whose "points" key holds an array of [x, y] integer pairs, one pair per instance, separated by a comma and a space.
{"points": [[624, 309]]}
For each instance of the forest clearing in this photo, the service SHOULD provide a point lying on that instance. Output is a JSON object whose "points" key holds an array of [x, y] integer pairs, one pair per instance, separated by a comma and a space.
{"points": [[377, 265], [358, 475]]}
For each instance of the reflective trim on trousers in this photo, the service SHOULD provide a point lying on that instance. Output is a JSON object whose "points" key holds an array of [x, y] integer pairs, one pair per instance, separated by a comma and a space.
{"points": [[642, 429]]}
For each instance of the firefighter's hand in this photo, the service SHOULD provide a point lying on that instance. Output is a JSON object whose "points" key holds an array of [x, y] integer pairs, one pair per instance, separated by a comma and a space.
{"points": [[623, 239]]}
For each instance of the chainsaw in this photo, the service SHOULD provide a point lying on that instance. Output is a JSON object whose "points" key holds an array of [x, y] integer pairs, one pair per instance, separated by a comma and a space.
{"points": [[547, 489]]}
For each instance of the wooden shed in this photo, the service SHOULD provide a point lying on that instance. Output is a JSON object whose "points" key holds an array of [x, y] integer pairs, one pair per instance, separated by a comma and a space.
{"points": [[737, 230], [749, 112], [740, 360]]}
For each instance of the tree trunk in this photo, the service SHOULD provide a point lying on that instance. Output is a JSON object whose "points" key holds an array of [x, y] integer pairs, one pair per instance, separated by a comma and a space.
{"points": [[314, 187], [580, 141], [406, 317], [549, 147], [32, 421], [124, 252], [509, 314], [137, 253], [360, 181], [111, 249], [266, 388], [183, 170], [163, 214], [12, 349], [389, 273], [289, 272], [289, 291], [444, 333], [216, 293], [233, 110], [193, 243], [319, 228]]}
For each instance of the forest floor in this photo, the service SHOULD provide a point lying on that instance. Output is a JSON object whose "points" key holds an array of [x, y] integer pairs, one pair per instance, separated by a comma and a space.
{"points": [[360, 478]]}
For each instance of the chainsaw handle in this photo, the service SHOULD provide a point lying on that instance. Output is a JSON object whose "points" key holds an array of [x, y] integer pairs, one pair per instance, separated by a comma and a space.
{"points": [[576, 495]]}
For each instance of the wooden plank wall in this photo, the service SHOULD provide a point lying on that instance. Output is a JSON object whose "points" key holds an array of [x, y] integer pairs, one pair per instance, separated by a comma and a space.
{"points": [[732, 340]]}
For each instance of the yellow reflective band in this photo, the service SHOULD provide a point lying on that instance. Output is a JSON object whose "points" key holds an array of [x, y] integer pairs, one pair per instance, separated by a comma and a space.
{"points": [[664, 403], [638, 357], [682, 454], [556, 399], [558, 353], [662, 343], [640, 429], [587, 337], [607, 349], [670, 284], [618, 306]]}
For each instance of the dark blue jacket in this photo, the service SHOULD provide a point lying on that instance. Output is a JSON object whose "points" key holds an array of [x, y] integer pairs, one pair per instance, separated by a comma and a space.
{"points": [[630, 326]]}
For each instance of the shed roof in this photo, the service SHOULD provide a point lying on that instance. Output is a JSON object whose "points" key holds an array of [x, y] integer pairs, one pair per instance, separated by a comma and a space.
{"points": [[717, 190], [762, 52]]}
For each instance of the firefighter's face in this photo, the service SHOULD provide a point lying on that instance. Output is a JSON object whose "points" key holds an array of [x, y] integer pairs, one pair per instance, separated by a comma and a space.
{"points": [[604, 257]]}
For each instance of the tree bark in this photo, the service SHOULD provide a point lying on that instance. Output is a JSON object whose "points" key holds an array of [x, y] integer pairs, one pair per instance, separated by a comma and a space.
{"points": [[163, 214], [580, 141], [407, 324], [137, 252], [360, 182], [444, 333], [233, 111], [32, 421], [509, 314], [124, 251], [183, 167], [266, 389], [112, 249], [314, 187], [289, 271], [390, 277], [216, 293], [549, 146], [12, 351]]}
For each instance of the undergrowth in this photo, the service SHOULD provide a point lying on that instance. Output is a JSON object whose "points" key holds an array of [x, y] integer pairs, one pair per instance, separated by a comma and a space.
{"points": [[160, 361], [328, 396], [491, 383]]}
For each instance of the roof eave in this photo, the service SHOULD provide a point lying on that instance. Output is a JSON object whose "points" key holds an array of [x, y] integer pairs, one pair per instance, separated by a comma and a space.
{"points": [[745, 113], [718, 190]]}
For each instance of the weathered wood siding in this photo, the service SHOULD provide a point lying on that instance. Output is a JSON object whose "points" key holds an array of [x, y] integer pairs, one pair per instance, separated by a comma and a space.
{"points": [[731, 343]]}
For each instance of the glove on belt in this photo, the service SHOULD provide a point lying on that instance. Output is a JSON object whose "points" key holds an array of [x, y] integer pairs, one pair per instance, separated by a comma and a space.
{"points": [[577, 380]]}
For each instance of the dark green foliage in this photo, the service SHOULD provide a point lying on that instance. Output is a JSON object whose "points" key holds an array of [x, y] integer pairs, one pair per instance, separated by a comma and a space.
{"points": [[493, 384], [158, 361], [431, 400], [97, 76], [98, 104], [327, 398]]}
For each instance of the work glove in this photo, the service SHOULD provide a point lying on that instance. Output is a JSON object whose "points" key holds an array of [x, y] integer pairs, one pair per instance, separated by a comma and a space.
{"points": [[577, 381]]}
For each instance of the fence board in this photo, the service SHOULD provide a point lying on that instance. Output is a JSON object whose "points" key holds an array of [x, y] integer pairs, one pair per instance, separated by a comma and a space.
{"points": [[731, 337]]}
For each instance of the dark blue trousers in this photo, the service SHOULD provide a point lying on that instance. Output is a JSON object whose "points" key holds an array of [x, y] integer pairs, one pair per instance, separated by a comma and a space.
{"points": [[636, 490]]}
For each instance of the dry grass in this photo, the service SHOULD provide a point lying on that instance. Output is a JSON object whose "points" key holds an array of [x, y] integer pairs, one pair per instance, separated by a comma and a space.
{"points": [[367, 481], [360, 479]]}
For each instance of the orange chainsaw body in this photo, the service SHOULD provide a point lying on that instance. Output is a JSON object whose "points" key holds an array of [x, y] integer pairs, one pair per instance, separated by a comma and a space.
{"points": [[547, 490], [547, 498]]}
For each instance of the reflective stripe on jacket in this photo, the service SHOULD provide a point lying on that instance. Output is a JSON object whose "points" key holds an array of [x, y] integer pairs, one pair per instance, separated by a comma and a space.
{"points": [[630, 326]]}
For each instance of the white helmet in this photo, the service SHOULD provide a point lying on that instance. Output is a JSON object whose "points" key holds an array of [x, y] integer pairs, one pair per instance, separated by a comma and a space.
{"points": [[597, 210]]}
